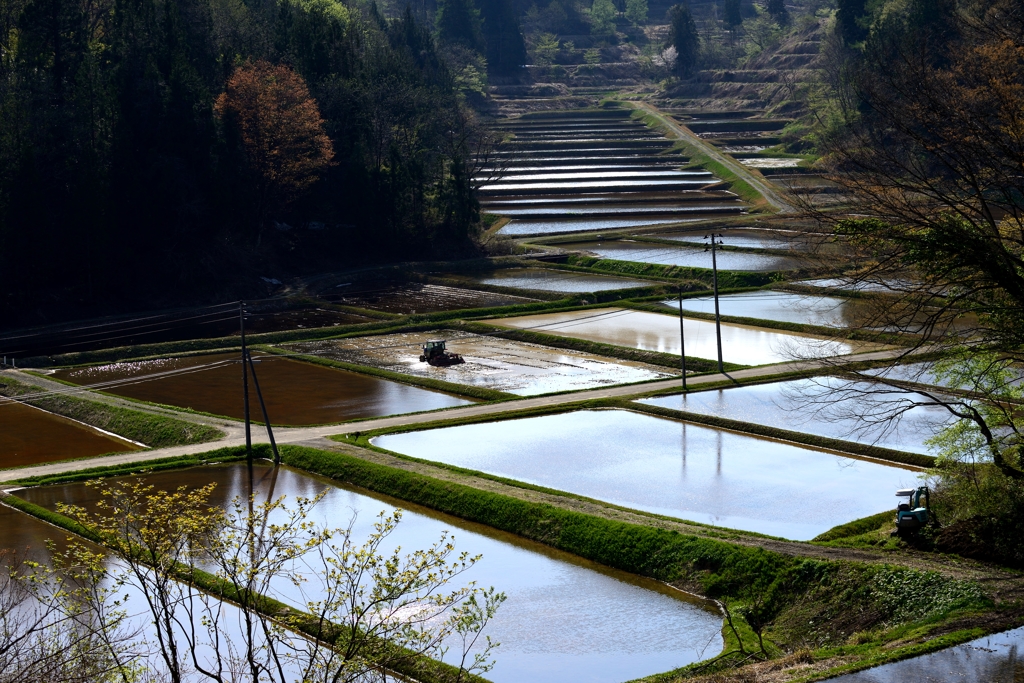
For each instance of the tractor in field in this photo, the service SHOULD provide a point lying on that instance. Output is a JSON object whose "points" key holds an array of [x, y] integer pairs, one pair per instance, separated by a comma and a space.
{"points": [[435, 354], [911, 515]]}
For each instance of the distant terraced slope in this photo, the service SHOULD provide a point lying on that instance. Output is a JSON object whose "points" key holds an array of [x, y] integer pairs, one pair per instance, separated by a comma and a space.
{"points": [[575, 171]]}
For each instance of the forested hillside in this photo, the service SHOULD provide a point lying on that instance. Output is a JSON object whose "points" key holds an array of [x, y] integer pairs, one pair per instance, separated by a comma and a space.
{"points": [[151, 150]]}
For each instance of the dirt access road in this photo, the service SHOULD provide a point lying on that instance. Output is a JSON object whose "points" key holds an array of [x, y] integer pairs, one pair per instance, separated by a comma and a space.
{"points": [[755, 180], [235, 436], [1000, 582]]}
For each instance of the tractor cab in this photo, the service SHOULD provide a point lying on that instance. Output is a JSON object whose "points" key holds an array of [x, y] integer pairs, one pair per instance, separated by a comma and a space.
{"points": [[434, 353], [912, 515]]}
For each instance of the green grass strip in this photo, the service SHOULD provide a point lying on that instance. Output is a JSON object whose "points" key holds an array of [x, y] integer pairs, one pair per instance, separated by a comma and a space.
{"points": [[850, 447], [726, 278], [856, 527], [667, 360]]}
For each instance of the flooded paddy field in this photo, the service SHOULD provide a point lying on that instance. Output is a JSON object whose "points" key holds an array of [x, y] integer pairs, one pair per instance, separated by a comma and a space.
{"points": [[996, 658], [688, 257], [668, 467], [804, 309], [556, 157], [550, 280], [296, 393], [752, 239], [524, 228], [29, 436], [414, 297], [824, 406], [653, 332], [501, 364], [565, 618]]}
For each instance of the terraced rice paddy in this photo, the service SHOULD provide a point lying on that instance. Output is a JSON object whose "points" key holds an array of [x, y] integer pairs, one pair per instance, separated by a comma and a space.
{"points": [[565, 618], [295, 393], [688, 257], [824, 406], [414, 297], [551, 280], [653, 332], [500, 364], [753, 239], [804, 309], [667, 467], [566, 172], [29, 436]]}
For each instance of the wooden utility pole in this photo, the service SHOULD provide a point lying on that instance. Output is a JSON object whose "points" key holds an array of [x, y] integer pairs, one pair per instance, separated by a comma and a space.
{"points": [[245, 385], [263, 407], [682, 336], [718, 317]]}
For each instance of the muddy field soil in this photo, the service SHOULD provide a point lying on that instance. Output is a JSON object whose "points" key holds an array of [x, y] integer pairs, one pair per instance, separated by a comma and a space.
{"points": [[295, 393], [500, 364], [413, 297], [29, 436]]}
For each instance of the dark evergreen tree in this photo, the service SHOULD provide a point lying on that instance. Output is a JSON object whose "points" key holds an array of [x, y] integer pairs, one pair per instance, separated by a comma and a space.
{"points": [[506, 49], [776, 9], [458, 23], [731, 13], [849, 17], [684, 38]]}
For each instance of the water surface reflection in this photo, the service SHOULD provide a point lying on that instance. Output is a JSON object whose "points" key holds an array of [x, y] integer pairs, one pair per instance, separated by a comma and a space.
{"points": [[823, 406], [668, 467], [565, 618], [654, 332]]}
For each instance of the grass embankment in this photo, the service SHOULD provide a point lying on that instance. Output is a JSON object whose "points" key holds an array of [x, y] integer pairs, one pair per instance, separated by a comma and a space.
{"points": [[700, 159], [155, 431], [666, 360], [830, 444], [821, 617], [822, 609], [703, 276], [837, 333]]}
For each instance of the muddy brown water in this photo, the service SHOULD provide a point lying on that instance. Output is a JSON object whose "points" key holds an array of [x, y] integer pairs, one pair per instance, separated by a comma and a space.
{"points": [[671, 468], [29, 436], [565, 618], [501, 364], [741, 344], [296, 393], [824, 406]]}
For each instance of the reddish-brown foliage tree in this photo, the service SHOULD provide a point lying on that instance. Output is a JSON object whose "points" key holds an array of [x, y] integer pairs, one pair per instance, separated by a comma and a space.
{"points": [[281, 132]]}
